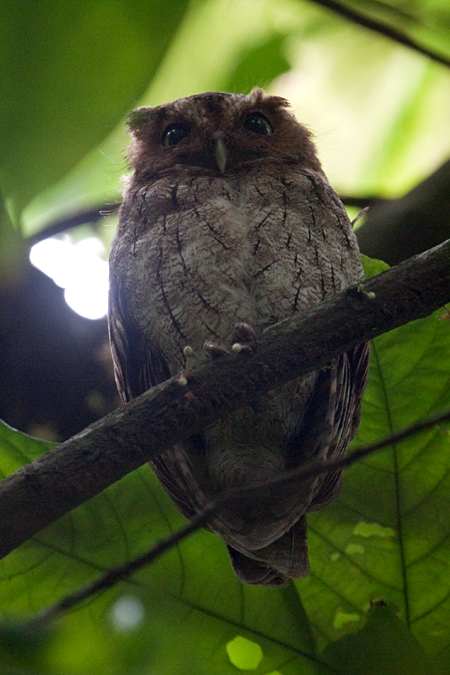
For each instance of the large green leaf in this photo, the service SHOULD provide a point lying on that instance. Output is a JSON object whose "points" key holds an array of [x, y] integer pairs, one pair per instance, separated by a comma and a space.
{"points": [[384, 646], [388, 536], [69, 71]]}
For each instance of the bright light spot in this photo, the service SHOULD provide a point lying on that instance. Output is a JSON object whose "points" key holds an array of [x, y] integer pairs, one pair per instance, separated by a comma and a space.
{"points": [[127, 613], [342, 618], [373, 530], [244, 654], [79, 269], [354, 549]]}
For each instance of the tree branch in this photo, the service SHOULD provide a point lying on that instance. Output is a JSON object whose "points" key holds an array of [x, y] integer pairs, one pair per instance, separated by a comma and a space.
{"points": [[61, 225], [122, 572], [381, 28], [86, 464]]}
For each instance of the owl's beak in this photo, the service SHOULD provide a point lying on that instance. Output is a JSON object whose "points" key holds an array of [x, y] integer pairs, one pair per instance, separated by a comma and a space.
{"points": [[221, 155]]}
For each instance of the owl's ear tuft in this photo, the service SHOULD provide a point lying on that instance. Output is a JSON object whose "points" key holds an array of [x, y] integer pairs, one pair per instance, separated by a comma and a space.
{"points": [[258, 96], [138, 118]]}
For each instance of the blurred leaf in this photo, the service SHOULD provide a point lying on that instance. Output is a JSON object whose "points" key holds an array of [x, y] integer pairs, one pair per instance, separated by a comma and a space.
{"points": [[22, 648], [425, 21], [69, 71], [260, 66], [11, 250], [379, 110]]}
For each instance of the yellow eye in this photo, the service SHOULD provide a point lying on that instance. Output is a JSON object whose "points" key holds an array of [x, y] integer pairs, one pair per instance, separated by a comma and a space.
{"points": [[258, 124], [173, 134]]}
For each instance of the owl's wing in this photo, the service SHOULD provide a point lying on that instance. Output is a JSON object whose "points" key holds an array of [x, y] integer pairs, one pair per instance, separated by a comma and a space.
{"points": [[137, 366], [348, 380]]}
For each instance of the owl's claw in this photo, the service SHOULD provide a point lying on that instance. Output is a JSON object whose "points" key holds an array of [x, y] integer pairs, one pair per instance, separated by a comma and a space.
{"points": [[214, 350], [189, 357], [188, 353], [244, 339]]}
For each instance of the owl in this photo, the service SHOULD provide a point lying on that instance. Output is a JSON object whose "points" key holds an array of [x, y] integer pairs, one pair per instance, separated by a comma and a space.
{"points": [[228, 225]]}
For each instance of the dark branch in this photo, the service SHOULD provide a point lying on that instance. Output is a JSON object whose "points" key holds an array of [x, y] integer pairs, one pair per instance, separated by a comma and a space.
{"points": [[122, 572], [381, 28], [62, 225], [361, 202], [86, 464]]}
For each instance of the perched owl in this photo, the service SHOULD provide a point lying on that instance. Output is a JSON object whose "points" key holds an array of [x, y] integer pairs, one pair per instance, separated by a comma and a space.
{"points": [[228, 225]]}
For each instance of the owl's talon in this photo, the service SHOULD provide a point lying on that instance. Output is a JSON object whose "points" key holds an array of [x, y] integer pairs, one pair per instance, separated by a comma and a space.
{"points": [[370, 295], [214, 350], [244, 338], [188, 355]]}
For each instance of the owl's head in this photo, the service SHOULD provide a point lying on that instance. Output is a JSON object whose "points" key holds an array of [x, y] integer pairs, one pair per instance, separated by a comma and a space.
{"points": [[217, 133]]}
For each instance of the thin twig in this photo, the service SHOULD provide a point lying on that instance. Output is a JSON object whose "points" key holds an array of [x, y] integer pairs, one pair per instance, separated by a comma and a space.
{"points": [[61, 225], [381, 28]]}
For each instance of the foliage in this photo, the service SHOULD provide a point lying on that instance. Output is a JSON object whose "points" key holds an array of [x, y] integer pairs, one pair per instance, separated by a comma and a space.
{"points": [[70, 72]]}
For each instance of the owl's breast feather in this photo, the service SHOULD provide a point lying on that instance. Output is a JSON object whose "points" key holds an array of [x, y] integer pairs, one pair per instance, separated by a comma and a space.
{"points": [[215, 252]]}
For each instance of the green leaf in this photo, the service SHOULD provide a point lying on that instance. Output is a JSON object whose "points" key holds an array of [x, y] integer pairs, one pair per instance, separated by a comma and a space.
{"points": [[18, 449], [69, 72], [372, 267], [260, 66], [388, 536], [384, 646]]}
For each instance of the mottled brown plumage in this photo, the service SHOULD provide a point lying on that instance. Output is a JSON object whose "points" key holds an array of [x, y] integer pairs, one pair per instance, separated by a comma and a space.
{"points": [[229, 218]]}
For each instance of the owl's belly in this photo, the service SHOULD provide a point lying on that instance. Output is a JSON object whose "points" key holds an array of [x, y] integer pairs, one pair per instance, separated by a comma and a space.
{"points": [[207, 269], [254, 251]]}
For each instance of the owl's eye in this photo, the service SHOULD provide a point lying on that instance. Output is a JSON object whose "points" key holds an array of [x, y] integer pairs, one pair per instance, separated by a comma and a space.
{"points": [[258, 124], [174, 133]]}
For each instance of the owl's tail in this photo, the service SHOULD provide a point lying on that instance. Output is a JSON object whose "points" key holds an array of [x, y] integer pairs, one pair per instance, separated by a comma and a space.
{"points": [[274, 565]]}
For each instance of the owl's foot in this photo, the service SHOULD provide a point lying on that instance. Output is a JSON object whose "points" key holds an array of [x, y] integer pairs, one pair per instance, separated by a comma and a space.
{"points": [[244, 339], [214, 350], [189, 357], [188, 353]]}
